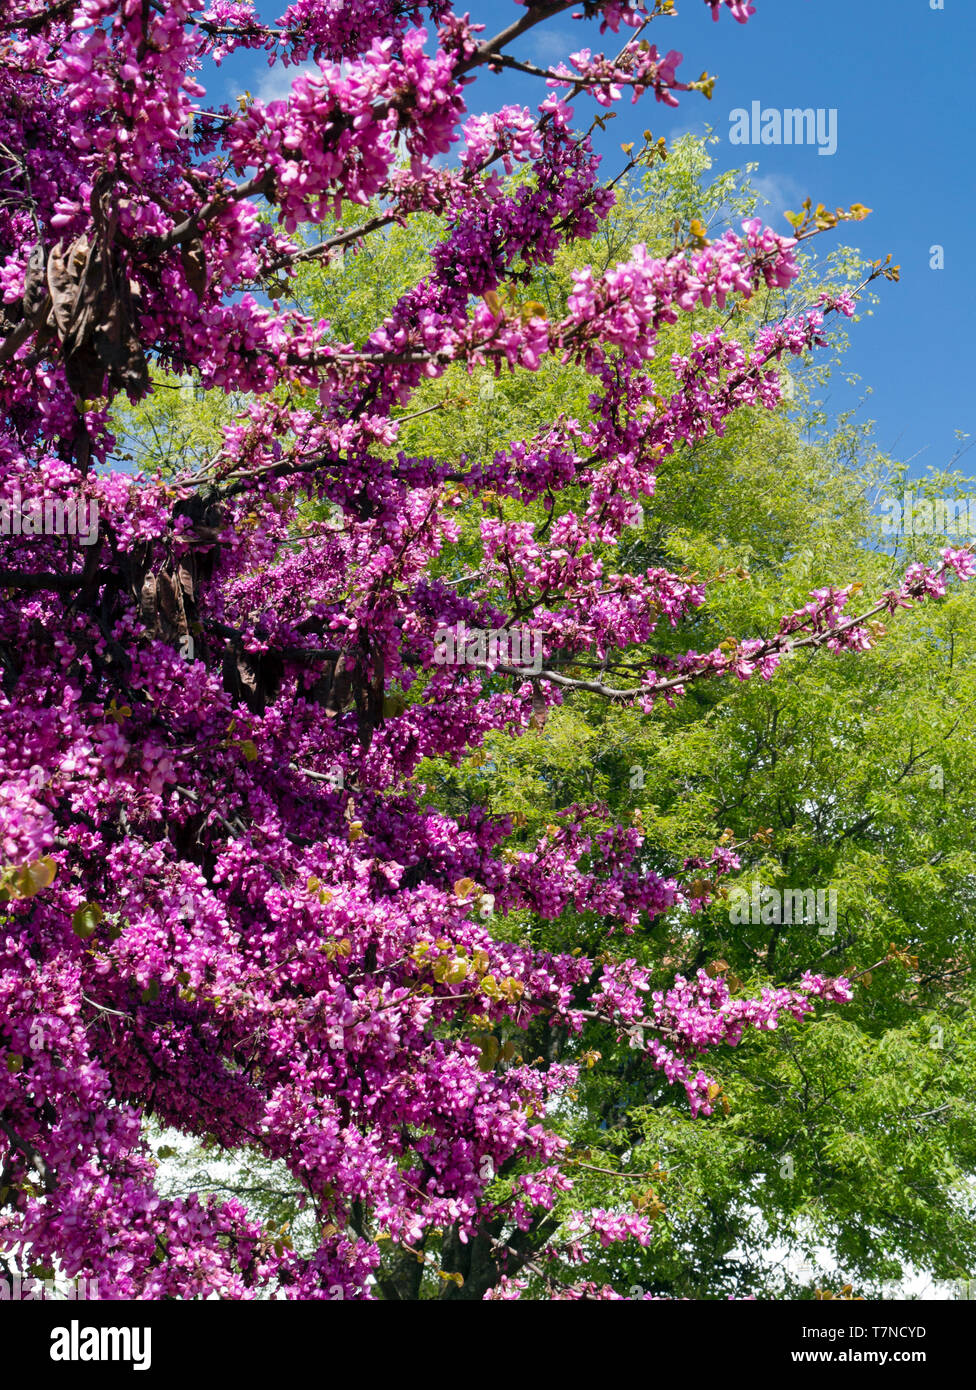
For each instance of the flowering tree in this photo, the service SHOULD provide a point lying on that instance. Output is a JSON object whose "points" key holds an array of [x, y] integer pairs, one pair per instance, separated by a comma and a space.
{"points": [[226, 904]]}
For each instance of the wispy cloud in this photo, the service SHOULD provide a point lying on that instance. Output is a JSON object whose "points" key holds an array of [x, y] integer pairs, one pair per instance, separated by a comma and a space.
{"points": [[699, 129], [275, 83], [779, 192], [547, 46]]}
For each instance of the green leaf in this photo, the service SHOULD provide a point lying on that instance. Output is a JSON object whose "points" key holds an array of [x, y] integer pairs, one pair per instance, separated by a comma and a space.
{"points": [[85, 919]]}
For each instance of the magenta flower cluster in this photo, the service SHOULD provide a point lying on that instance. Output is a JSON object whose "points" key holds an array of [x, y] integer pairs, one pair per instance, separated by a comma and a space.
{"points": [[226, 903]]}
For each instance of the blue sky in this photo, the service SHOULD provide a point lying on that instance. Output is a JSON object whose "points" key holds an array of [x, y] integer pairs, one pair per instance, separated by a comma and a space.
{"points": [[900, 77]]}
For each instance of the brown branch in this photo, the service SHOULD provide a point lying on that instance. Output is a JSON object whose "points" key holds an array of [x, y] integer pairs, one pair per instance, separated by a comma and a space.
{"points": [[57, 583], [15, 339], [33, 1157], [771, 646]]}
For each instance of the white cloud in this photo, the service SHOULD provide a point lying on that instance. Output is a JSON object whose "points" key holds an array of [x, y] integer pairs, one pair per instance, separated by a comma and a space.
{"points": [[275, 83], [699, 129], [547, 47], [780, 192]]}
